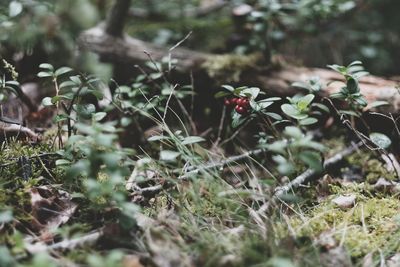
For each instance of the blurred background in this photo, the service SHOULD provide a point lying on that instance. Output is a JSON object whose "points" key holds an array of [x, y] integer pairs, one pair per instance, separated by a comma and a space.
{"points": [[313, 33]]}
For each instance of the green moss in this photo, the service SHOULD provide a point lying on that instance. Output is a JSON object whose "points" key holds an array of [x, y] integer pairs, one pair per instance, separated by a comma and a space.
{"points": [[12, 151], [373, 169], [370, 225], [228, 68]]}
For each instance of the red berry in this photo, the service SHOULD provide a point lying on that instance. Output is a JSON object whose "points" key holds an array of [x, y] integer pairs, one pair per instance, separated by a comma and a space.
{"points": [[234, 101], [227, 102], [240, 110], [239, 102], [245, 103]]}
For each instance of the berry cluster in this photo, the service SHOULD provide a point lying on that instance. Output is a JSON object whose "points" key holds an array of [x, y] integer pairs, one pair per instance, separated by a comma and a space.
{"points": [[242, 104]]}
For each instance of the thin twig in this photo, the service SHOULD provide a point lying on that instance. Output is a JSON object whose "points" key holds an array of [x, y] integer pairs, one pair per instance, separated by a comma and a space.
{"points": [[67, 243], [221, 126], [309, 175], [215, 165]]}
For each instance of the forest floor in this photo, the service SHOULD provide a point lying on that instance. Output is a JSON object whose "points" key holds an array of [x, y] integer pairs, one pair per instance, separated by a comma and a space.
{"points": [[213, 217]]}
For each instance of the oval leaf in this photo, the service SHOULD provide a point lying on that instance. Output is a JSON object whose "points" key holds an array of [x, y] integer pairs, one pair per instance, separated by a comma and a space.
{"points": [[381, 140]]}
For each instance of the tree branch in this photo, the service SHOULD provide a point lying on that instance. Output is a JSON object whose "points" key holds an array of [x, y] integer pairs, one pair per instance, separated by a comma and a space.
{"points": [[116, 18]]}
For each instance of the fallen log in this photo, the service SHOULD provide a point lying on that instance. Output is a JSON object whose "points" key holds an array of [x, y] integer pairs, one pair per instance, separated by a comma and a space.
{"points": [[274, 81], [133, 51], [372, 87]]}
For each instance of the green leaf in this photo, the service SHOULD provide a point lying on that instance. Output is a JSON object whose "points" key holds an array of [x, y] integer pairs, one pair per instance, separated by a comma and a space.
{"points": [[85, 111], [63, 162], [125, 121], [280, 262], [228, 87], [338, 95], [285, 168], [157, 138], [312, 159], [349, 112], [356, 62], [99, 116], [294, 132], [321, 106], [99, 95], [273, 115], [305, 101], [221, 94], [47, 102], [352, 86], [75, 79], [237, 120], [192, 139], [272, 99], [301, 85], [338, 68], [381, 140], [13, 84], [278, 146], [251, 92], [6, 216], [291, 111], [263, 104], [60, 118], [47, 66], [156, 75], [66, 84], [376, 104], [169, 155], [361, 101], [15, 8], [62, 71], [44, 74], [360, 74], [308, 121]]}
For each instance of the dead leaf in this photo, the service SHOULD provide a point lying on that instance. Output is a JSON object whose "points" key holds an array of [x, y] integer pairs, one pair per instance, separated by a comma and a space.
{"points": [[368, 260], [336, 257], [131, 261], [394, 261], [164, 249], [49, 209]]}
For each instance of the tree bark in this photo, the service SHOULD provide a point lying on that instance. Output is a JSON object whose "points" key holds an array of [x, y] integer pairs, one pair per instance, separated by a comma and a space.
{"points": [[116, 18], [274, 82]]}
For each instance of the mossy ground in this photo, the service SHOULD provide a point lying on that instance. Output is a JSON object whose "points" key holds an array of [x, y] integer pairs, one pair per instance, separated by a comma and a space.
{"points": [[371, 226], [207, 219]]}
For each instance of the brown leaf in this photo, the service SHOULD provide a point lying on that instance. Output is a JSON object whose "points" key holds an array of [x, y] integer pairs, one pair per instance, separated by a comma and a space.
{"points": [[131, 261], [49, 209], [336, 257]]}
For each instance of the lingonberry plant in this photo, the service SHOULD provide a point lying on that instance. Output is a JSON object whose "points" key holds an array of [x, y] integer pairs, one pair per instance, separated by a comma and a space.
{"points": [[290, 146], [149, 93], [295, 147], [244, 105], [70, 97], [357, 104], [351, 91]]}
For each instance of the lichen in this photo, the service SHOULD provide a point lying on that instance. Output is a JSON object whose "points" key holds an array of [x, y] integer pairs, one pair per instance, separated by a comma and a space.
{"points": [[228, 68]]}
